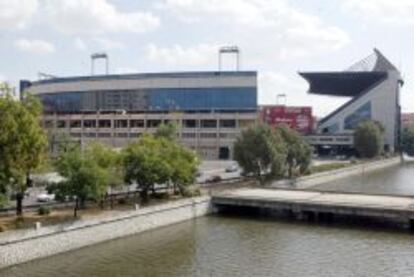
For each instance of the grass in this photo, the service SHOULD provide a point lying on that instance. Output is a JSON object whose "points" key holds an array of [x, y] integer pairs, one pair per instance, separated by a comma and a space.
{"points": [[327, 167]]}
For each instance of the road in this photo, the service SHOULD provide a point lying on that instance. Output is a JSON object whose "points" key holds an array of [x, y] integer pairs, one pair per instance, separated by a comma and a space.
{"points": [[207, 169]]}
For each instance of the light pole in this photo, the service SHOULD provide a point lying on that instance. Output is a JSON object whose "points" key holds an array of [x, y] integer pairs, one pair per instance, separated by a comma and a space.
{"points": [[96, 56], [235, 50]]}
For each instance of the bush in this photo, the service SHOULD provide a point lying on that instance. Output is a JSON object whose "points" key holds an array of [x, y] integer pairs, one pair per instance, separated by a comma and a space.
{"points": [[368, 139], [43, 210]]}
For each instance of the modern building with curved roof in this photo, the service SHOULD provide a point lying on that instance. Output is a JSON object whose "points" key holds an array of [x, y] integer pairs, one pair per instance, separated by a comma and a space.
{"points": [[373, 85]]}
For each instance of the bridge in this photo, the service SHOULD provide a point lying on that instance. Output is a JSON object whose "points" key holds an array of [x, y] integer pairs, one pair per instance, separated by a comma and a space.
{"points": [[317, 205]]}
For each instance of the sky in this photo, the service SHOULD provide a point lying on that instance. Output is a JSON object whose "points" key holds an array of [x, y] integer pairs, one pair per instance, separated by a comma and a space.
{"points": [[277, 38]]}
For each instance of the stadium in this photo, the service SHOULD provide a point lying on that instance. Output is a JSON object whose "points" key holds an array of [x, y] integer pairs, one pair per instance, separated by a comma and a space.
{"points": [[210, 108], [373, 88]]}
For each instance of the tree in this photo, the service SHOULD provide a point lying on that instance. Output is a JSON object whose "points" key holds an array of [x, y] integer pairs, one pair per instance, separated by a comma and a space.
{"points": [[368, 139], [85, 177], [298, 156], [145, 163], [408, 140], [22, 144], [109, 160], [183, 163], [167, 131], [260, 150]]}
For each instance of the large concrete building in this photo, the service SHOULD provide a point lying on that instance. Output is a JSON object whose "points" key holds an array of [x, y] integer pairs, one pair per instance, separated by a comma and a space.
{"points": [[210, 108], [373, 88]]}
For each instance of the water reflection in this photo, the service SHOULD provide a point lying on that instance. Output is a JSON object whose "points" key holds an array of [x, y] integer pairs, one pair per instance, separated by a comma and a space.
{"points": [[229, 246]]}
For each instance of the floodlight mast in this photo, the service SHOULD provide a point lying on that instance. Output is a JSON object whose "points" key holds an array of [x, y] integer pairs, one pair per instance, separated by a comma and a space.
{"points": [[234, 50], [97, 56]]}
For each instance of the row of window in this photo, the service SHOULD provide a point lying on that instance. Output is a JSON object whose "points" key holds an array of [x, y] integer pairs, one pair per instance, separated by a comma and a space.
{"points": [[139, 123], [134, 135]]}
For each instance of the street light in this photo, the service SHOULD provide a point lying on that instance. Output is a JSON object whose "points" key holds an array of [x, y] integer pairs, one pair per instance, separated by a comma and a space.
{"points": [[229, 50], [96, 56]]}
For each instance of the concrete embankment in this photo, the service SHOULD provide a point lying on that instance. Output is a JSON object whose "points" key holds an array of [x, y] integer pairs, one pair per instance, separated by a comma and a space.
{"points": [[332, 175], [25, 245]]}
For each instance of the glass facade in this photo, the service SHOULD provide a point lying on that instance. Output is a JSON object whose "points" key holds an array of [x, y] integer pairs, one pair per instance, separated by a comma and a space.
{"points": [[165, 99], [361, 114]]}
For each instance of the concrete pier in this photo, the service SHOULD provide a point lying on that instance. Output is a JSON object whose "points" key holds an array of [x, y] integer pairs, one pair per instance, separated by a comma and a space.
{"points": [[321, 206]]}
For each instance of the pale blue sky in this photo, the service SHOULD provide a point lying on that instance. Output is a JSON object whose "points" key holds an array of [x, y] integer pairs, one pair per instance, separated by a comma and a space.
{"points": [[277, 38]]}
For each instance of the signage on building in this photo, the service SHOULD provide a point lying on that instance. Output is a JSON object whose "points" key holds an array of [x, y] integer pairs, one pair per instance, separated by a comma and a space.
{"points": [[298, 118]]}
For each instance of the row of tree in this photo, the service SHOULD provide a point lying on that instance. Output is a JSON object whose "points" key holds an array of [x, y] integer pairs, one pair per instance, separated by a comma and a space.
{"points": [[152, 159], [146, 162], [269, 153]]}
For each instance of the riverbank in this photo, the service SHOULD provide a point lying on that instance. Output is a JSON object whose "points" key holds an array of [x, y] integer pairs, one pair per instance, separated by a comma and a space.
{"points": [[25, 245], [309, 181]]}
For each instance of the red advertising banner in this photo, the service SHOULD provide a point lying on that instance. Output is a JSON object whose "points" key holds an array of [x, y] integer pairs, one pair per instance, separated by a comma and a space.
{"points": [[298, 118]]}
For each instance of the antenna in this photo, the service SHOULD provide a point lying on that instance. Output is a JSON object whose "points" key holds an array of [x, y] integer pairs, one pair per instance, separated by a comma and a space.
{"points": [[97, 56], [234, 50]]}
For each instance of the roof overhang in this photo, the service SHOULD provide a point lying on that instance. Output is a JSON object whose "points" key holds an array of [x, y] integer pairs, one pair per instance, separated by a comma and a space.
{"points": [[348, 84]]}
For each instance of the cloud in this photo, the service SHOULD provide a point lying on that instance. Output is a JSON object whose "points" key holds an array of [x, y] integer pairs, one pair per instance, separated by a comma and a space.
{"points": [[80, 44], [16, 13], [394, 12], [35, 46], [292, 32], [97, 17], [200, 54]]}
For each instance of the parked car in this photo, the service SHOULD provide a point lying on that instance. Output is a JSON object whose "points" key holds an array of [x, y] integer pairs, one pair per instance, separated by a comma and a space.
{"points": [[213, 179], [232, 168], [44, 197]]}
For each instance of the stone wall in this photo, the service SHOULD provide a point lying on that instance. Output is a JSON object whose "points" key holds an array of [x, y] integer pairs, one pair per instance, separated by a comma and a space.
{"points": [[25, 245]]}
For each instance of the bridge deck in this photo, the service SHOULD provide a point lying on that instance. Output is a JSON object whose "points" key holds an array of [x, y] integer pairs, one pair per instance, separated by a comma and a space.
{"points": [[336, 203]]}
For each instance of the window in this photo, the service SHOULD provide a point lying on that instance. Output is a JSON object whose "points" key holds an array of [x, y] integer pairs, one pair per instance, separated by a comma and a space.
{"points": [[188, 135], [121, 123], [227, 123], [136, 123], [89, 123], [208, 135], [104, 135], [153, 123], [89, 135], [104, 123], [75, 124], [208, 123], [122, 135], [190, 123], [61, 123], [361, 114], [134, 135], [48, 124]]}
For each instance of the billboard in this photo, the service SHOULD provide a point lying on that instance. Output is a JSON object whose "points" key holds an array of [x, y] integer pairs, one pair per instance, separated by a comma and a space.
{"points": [[297, 118]]}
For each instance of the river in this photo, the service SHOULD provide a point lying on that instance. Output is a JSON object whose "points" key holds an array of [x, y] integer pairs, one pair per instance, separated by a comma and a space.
{"points": [[242, 246], [234, 246]]}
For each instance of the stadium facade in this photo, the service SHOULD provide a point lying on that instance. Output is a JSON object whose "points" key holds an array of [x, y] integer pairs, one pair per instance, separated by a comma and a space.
{"points": [[210, 108], [373, 86]]}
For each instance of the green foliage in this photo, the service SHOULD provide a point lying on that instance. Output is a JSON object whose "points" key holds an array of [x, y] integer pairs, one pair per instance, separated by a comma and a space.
{"points": [[85, 178], [145, 163], [260, 150], [3, 200], [168, 131], [408, 140], [43, 210], [368, 139], [22, 143], [157, 160], [298, 157]]}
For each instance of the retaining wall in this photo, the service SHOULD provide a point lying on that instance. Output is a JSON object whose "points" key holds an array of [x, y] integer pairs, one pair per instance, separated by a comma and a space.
{"points": [[332, 175], [327, 176], [25, 245]]}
